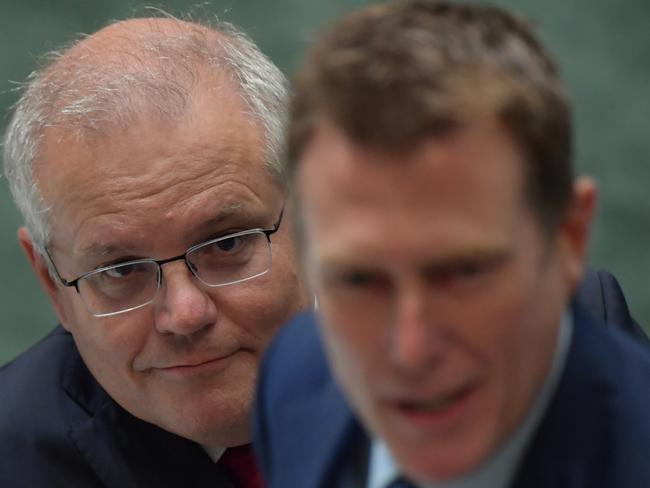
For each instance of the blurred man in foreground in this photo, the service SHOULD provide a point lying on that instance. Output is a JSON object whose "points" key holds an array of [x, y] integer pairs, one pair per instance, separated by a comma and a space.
{"points": [[444, 234], [145, 161]]}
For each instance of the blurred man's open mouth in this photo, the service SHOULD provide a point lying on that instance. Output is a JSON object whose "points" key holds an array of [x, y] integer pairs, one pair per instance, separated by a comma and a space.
{"points": [[439, 411]]}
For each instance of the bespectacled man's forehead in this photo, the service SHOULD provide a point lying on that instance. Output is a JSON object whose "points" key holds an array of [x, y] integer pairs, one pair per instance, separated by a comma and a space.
{"points": [[117, 242]]}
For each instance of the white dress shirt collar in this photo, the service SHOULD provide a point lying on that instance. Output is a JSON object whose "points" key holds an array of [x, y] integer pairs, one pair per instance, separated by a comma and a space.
{"points": [[215, 452]]}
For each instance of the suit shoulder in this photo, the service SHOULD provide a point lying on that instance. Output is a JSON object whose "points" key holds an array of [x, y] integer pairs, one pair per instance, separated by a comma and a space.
{"points": [[622, 383], [37, 412], [613, 355], [34, 401], [38, 367], [601, 295], [632, 359], [297, 348], [627, 428]]}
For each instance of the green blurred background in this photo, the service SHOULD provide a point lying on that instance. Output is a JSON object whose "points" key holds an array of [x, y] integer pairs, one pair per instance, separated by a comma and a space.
{"points": [[603, 47]]}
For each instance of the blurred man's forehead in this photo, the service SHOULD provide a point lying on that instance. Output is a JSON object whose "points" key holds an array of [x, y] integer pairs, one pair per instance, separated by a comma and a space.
{"points": [[461, 187], [484, 142]]}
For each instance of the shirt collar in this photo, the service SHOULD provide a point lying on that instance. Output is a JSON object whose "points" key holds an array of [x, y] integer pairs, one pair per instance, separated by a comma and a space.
{"points": [[499, 469], [215, 452]]}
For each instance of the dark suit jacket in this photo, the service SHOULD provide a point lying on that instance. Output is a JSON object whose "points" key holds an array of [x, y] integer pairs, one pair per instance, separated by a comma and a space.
{"points": [[595, 433], [58, 428], [601, 295]]}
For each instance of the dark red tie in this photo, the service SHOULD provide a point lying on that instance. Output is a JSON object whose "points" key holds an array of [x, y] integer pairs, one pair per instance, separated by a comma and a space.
{"points": [[240, 464]]}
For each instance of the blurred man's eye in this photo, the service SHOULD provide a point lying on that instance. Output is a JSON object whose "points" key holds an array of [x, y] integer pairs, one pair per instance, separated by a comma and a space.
{"points": [[459, 275], [359, 281], [470, 270]]}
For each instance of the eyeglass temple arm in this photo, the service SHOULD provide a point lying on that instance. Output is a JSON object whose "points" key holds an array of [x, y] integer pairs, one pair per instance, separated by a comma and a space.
{"points": [[52, 267], [276, 227]]}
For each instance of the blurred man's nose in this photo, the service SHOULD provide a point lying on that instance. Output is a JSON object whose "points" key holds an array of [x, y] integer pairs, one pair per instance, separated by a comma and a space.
{"points": [[417, 341]]}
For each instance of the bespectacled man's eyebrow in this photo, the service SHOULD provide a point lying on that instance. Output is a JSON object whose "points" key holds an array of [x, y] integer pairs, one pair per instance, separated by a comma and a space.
{"points": [[104, 249], [224, 215]]}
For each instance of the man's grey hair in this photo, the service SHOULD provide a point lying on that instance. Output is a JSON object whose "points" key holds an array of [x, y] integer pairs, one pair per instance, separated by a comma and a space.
{"points": [[160, 75]]}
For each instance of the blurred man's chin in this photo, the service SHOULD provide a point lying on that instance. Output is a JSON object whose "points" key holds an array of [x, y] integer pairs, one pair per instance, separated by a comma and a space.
{"points": [[442, 465], [428, 460]]}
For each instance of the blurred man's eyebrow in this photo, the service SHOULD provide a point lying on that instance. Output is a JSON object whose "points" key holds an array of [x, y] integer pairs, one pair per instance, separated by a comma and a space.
{"points": [[362, 261], [470, 255]]}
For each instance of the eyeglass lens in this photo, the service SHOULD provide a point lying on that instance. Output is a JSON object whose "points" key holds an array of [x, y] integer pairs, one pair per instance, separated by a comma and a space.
{"points": [[225, 261]]}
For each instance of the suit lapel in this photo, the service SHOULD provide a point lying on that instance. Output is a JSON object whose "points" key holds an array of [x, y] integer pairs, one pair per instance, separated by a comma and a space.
{"points": [[127, 452]]}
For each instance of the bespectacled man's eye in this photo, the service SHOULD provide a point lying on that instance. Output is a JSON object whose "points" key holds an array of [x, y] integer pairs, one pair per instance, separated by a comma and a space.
{"points": [[227, 244], [124, 270]]}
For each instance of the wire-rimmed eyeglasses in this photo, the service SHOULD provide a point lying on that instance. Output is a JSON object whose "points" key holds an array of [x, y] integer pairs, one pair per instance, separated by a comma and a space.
{"points": [[130, 285]]}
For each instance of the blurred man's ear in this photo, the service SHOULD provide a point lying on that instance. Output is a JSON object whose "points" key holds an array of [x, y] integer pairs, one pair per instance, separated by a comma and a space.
{"points": [[575, 229], [41, 269]]}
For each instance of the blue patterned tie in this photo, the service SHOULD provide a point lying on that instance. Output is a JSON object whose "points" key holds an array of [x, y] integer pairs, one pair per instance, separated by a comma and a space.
{"points": [[401, 483]]}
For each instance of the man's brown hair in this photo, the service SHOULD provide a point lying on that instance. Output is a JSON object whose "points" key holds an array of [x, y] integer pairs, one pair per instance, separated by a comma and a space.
{"points": [[392, 75]]}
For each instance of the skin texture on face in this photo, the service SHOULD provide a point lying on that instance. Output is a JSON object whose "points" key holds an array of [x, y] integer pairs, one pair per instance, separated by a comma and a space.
{"points": [[187, 362], [439, 294]]}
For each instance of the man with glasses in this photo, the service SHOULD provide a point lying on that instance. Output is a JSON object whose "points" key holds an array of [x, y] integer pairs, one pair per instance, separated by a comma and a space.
{"points": [[145, 161], [444, 235]]}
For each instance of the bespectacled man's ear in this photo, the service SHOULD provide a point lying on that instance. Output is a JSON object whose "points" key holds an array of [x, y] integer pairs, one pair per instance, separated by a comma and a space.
{"points": [[42, 271], [576, 226]]}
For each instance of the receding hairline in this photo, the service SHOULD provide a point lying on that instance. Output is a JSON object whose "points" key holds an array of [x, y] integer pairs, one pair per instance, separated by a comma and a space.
{"points": [[114, 38], [125, 43], [124, 47]]}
